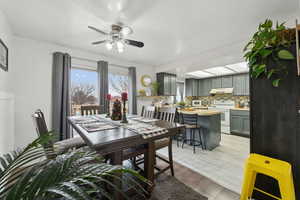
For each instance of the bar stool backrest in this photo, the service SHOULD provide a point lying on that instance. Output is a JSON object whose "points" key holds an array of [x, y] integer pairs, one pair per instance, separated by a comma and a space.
{"points": [[190, 119], [148, 111]]}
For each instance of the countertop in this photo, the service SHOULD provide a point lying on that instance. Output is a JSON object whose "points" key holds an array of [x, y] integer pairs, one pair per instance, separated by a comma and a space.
{"points": [[200, 112], [245, 109]]}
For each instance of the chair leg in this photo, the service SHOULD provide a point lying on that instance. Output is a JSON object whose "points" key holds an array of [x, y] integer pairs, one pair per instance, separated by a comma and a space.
{"points": [[200, 138], [194, 143], [203, 138], [184, 138], [191, 136], [171, 157]]}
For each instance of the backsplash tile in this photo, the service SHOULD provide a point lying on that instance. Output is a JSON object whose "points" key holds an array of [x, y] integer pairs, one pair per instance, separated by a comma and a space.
{"points": [[208, 100]]}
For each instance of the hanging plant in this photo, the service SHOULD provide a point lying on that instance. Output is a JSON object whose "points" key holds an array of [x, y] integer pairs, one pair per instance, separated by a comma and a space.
{"points": [[270, 43]]}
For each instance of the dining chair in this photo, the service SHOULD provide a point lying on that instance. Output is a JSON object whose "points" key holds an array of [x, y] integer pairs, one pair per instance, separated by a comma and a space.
{"points": [[165, 114], [190, 122], [91, 109], [60, 146], [148, 111]]}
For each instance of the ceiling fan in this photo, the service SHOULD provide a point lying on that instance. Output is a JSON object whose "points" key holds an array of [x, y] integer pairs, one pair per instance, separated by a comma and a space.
{"points": [[115, 38]]}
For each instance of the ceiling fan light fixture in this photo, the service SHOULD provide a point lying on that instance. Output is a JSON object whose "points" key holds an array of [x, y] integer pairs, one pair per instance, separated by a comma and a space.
{"points": [[126, 30], [109, 45], [121, 50], [120, 46]]}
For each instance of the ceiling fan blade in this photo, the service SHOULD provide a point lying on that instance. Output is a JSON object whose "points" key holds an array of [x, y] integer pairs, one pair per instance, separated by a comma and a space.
{"points": [[99, 31], [134, 43], [98, 42]]}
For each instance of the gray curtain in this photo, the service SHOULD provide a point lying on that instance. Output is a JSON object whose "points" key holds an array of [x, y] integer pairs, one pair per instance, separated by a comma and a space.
{"points": [[103, 85], [132, 91], [60, 94]]}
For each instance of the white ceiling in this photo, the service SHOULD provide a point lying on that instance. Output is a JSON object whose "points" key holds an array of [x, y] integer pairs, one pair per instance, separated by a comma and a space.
{"points": [[176, 33]]}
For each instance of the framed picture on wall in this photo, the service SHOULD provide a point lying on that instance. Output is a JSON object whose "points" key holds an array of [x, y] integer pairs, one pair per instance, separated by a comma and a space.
{"points": [[3, 56]]}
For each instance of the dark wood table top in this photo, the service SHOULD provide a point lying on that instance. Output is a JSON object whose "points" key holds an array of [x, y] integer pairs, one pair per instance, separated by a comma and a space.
{"points": [[108, 141]]}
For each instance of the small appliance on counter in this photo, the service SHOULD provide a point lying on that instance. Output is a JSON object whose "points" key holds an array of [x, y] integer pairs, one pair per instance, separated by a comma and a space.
{"points": [[196, 103]]}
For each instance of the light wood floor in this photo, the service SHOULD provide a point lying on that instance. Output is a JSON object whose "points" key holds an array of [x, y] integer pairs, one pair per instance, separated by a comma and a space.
{"points": [[201, 184], [224, 165]]}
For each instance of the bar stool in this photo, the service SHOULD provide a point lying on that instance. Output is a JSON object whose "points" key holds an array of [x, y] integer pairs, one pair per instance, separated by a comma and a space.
{"points": [[277, 169], [190, 121]]}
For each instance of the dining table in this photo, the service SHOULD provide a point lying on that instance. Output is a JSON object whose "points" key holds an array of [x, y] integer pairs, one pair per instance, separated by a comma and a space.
{"points": [[117, 137]]}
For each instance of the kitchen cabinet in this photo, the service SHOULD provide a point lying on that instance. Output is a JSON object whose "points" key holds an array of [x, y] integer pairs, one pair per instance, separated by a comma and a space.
{"points": [[173, 85], [216, 82], [191, 87], [167, 84], [227, 82], [247, 85], [207, 86], [241, 84], [204, 87], [200, 87], [240, 122]]}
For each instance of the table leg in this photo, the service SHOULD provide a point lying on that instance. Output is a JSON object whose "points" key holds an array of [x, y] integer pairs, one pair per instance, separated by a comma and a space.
{"points": [[149, 163], [116, 159]]}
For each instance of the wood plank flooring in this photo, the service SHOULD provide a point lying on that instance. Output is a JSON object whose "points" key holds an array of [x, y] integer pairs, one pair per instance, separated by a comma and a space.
{"points": [[224, 165], [201, 184]]}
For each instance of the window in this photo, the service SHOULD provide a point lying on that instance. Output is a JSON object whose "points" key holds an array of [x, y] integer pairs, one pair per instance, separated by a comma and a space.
{"points": [[117, 83], [84, 89]]}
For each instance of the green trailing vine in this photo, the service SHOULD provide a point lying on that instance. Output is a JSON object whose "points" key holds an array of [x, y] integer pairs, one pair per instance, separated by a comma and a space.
{"points": [[270, 43]]}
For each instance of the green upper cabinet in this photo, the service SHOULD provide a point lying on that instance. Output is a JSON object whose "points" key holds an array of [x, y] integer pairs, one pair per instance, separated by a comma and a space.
{"points": [[191, 87], [227, 82], [167, 84], [247, 84], [207, 86], [200, 87], [241, 84], [216, 82]]}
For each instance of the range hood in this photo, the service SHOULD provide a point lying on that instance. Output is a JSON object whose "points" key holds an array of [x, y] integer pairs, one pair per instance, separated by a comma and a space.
{"points": [[221, 91]]}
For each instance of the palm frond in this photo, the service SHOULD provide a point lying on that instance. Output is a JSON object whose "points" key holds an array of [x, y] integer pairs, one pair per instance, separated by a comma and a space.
{"points": [[16, 163], [75, 175]]}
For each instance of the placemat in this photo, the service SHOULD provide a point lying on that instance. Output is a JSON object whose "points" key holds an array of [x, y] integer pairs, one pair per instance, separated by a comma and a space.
{"points": [[143, 119], [98, 126], [146, 130]]}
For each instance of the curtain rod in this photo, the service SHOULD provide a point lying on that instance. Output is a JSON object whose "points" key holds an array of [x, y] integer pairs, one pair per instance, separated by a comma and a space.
{"points": [[90, 60]]}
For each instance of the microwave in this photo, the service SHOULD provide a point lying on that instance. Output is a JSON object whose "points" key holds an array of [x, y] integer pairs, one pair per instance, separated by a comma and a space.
{"points": [[196, 103]]}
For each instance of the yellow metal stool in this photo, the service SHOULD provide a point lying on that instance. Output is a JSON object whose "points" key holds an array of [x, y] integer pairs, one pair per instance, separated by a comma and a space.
{"points": [[277, 169]]}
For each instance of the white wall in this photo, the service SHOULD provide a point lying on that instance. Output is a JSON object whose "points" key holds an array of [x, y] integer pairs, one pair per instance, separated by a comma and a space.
{"points": [[6, 96], [32, 74]]}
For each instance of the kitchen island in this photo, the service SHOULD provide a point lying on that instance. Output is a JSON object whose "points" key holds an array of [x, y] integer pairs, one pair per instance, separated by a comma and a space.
{"points": [[210, 122]]}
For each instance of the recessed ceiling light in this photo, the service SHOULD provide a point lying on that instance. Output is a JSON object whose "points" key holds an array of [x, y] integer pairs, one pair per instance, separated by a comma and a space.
{"points": [[218, 71], [200, 74], [239, 67]]}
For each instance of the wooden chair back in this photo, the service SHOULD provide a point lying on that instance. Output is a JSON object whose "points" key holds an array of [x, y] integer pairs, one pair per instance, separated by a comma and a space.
{"points": [[167, 114], [41, 129], [148, 111], [190, 119], [40, 123], [91, 110]]}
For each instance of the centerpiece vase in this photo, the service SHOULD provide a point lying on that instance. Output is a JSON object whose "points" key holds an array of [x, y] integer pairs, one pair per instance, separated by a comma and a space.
{"points": [[124, 99], [108, 98], [124, 118], [108, 110]]}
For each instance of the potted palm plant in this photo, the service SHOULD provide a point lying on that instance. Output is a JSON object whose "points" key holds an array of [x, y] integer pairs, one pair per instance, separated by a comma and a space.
{"points": [[78, 174]]}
